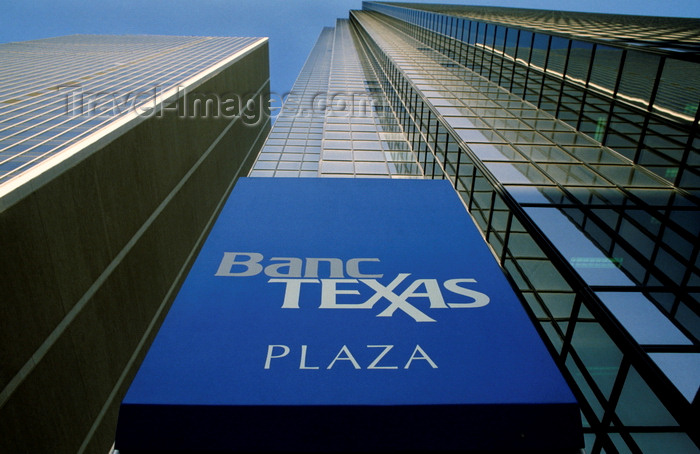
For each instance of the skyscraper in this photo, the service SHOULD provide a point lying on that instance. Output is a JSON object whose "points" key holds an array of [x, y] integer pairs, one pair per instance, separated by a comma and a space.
{"points": [[116, 152], [572, 139]]}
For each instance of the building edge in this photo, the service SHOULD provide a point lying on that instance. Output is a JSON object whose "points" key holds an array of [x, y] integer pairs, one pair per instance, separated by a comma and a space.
{"points": [[87, 281]]}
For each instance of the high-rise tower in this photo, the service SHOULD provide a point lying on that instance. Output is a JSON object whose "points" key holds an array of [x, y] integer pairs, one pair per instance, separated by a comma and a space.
{"points": [[572, 139], [116, 152]]}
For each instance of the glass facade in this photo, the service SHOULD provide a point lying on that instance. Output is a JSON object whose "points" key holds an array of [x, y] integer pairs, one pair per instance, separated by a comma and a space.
{"points": [[572, 140], [47, 105], [104, 203], [631, 83], [336, 121]]}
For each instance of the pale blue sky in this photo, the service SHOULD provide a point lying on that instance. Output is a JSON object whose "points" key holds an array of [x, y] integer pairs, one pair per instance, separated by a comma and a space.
{"points": [[292, 25]]}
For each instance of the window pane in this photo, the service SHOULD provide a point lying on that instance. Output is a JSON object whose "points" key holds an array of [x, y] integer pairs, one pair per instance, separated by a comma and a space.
{"points": [[524, 45], [557, 56], [639, 406], [638, 77], [679, 89], [579, 60], [606, 65], [539, 51], [599, 354]]}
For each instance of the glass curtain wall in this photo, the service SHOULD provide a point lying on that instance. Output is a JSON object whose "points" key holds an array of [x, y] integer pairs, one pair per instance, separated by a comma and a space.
{"points": [[47, 105], [603, 251], [641, 100], [336, 121]]}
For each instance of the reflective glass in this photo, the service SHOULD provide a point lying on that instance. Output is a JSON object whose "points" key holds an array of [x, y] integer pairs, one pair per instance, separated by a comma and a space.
{"points": [[639, 406], [557, 55], [642, 319], [524, 47], [606, 65], [598, 353], [579, 60], [586, 258], [679, 76], [538, 56], [638, 76], [683, 369]]}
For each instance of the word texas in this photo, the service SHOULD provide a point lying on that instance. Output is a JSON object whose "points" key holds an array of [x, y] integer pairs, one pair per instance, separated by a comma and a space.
{"points": [[294, 273]]}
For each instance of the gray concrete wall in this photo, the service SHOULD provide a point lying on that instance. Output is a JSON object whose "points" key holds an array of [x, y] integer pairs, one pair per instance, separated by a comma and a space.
{"points": [[91, 261]]}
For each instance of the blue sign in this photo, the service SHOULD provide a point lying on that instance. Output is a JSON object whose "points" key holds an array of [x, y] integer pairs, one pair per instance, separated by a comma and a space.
{"points": [[347, 315]]}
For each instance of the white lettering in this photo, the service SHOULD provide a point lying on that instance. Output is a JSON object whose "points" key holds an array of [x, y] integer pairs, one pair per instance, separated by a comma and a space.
{"points": [[292, 264], [292, 291], [397, 302], [480, 299], [335, 265], [344, 354], [348, 357], [302, 361], [353, 268], [423, 356], [432, 292], [270, 349], [252, 265], [288, 270], [373, 364], [329, 292]]}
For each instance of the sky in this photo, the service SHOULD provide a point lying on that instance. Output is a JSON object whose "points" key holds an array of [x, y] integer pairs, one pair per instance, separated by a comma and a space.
{"points": [[292, 25]]}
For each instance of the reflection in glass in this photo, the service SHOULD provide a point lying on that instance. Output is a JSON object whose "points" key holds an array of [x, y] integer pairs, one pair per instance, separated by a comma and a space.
{"points": [[646, 324], [590, 262], [557, 56], [606, 65], [679, 90], [638, 77], [579, 61]]}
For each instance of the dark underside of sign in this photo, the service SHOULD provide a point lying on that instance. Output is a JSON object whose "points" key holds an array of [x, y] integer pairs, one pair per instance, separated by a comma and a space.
{"points": [[552, 428]]}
